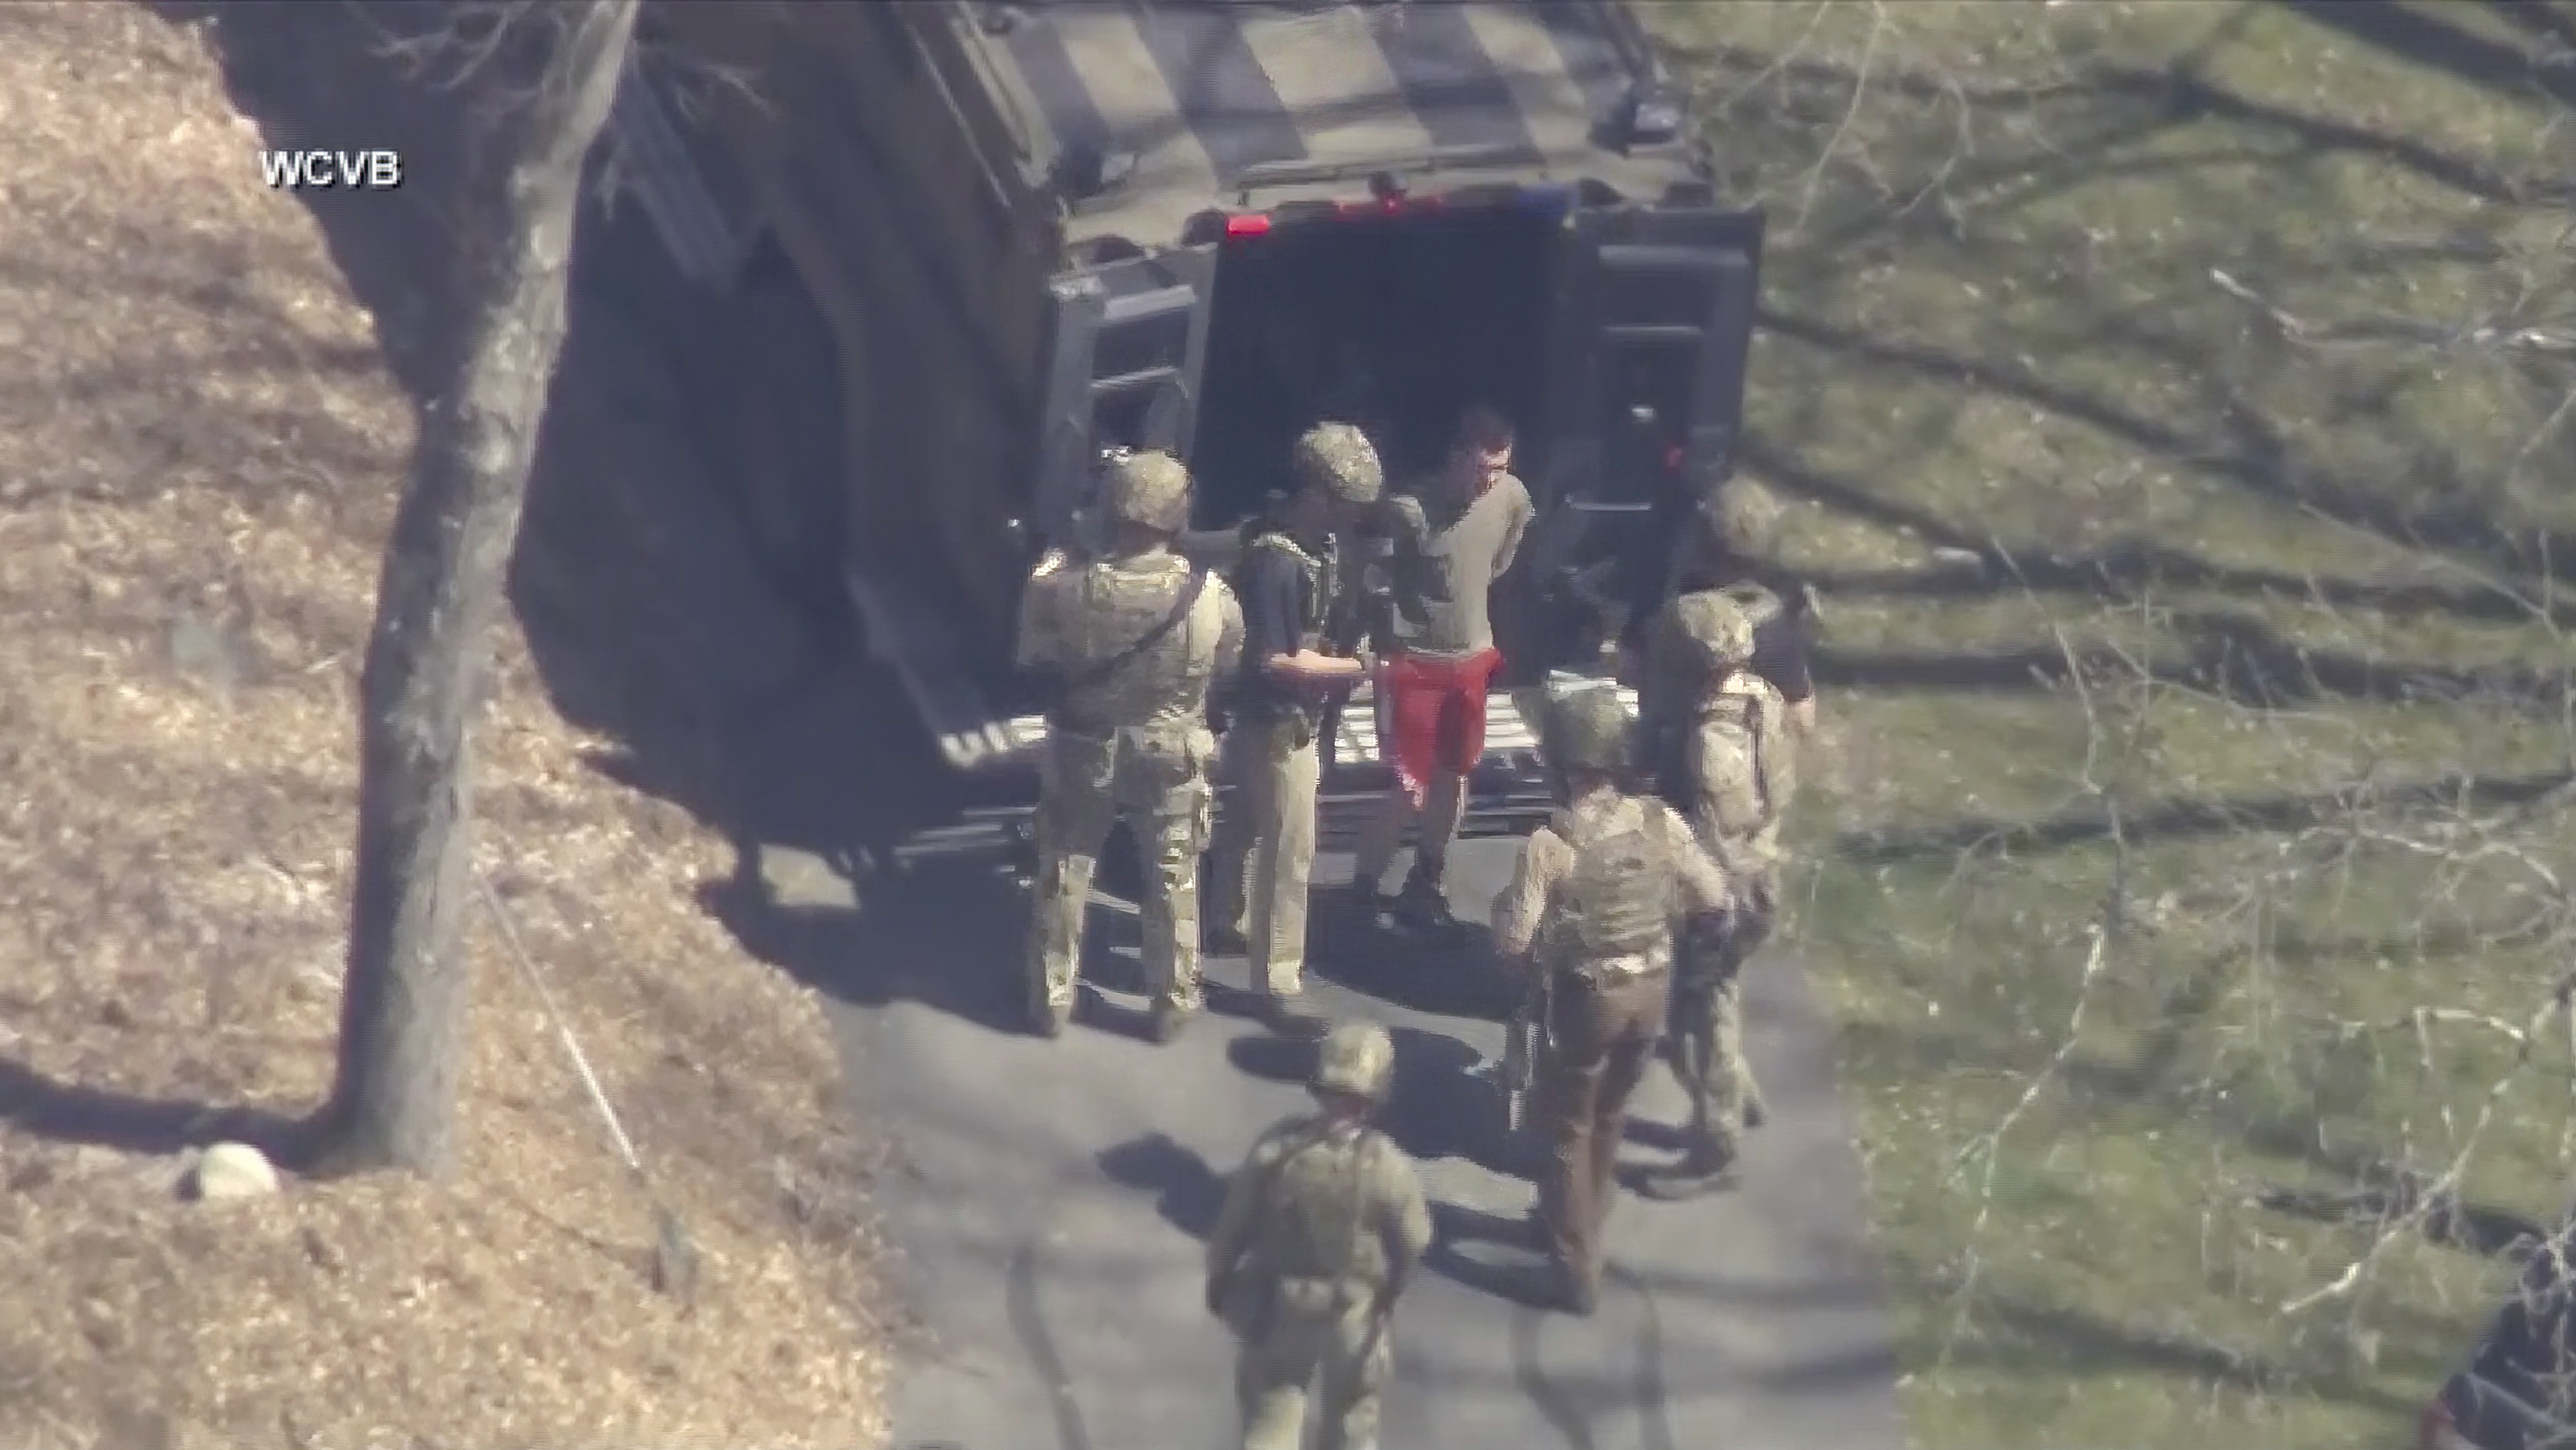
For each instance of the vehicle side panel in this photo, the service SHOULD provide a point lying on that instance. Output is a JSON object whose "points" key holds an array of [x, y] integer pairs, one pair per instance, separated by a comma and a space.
{"points": [[933, 269]]}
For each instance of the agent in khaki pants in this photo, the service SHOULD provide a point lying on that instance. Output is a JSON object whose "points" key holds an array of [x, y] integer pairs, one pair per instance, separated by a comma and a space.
{"points": [[1264, 852]]}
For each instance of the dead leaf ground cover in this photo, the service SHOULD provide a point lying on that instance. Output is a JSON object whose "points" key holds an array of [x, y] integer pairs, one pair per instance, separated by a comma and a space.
{"points": [[198, 451], [2186, 551]]}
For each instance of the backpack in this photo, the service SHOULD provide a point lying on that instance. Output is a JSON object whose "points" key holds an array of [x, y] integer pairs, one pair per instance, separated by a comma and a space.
{"points": [[1740, 759]]}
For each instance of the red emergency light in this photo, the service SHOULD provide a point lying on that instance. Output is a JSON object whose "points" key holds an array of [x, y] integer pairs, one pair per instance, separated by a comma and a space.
{"points": [[1257, 224]]}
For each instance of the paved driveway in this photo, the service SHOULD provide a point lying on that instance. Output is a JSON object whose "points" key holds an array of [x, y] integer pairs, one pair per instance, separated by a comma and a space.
{"points": [[1051, 1193]]}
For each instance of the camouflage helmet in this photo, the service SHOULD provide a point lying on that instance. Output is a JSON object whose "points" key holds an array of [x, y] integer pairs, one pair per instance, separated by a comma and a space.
{"points": [[1746, 521], [1588, 730], [1151, 490], [1357, 1058], [1716, 633], [1338, 458]]}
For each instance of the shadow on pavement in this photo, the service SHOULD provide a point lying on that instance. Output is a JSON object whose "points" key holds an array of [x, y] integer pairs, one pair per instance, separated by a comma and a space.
{"points": [[1437, 1107], [947, 939], [1489, 1253], [1187, 1190], [1444, 974]]}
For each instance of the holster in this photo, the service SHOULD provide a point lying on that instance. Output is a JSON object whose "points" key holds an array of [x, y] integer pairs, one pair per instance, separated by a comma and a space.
{"points": [[1247, 1301], [1714, 952]]}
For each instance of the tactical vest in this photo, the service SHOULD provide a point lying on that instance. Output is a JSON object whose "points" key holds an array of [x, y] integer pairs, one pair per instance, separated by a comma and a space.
{"points": [[1110, 605], [1318, 576], [1317, 1227], [1319, 585], [1616, 900], [1739, 764]]}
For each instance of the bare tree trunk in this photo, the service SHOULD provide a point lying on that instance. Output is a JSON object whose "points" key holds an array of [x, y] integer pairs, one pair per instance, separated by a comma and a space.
{"points": [[403, 1043]]}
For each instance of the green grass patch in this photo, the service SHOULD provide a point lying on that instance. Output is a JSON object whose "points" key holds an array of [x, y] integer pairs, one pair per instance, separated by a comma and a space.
{"points": [[2172, 403]]}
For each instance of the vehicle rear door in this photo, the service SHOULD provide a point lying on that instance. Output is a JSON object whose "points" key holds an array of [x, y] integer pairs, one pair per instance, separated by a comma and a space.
{"points": [[1653, 328], [1129, 340]]}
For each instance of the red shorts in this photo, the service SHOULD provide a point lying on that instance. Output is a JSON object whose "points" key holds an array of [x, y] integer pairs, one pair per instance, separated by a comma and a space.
{"points": [[1431, 716]]}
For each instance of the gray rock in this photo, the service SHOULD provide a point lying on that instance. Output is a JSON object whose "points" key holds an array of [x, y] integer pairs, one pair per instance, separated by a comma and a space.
{"points": [[220, 655], [230, 1170]]}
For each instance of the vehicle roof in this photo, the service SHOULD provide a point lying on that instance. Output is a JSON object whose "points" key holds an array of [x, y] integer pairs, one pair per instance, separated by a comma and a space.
{"points": [[1212, 99]]}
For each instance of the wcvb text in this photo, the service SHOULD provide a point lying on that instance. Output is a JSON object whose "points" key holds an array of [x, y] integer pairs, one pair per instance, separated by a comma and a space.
{"points": [[331, 170]]}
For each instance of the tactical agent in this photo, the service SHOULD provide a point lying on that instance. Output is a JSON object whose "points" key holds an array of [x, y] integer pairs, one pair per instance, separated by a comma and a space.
{"points": [[1128, 644], [1321, 1227], [1733, 545], [1291, 585], [1733, 782], [1588, 919]]}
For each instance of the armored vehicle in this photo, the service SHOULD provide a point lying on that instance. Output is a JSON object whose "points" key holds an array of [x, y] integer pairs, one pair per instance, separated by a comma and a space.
{"points": [[1036, 231]]}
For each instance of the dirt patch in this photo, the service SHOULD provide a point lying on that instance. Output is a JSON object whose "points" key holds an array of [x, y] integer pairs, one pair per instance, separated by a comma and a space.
{"points": [[199, 447]]}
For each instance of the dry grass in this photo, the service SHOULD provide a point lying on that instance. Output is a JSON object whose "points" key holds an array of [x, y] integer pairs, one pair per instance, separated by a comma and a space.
{"points": [[198, 451], [2255, 605]]}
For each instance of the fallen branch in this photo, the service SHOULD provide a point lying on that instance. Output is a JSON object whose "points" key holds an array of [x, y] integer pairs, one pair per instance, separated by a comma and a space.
{"points": [[2379, 330]]}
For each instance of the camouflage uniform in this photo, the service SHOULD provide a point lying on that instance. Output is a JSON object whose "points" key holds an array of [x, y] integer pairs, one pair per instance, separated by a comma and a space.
{"points": [[1735, 778], [1131, 742], [1320, 1228], [1732, 545], [1734, 528], [1264, 853], [1591, 907]]}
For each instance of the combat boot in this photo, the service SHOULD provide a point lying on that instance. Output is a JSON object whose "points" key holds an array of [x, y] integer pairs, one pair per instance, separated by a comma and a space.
{"points": [[1422, 905], [1570, 1290], [1706, 1169], [1165, 1023], [1051, 1018]]}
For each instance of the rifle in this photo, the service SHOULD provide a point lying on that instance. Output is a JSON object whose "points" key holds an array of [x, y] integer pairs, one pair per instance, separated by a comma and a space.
{"points": [[1381, 1309], [1522, 1038]]}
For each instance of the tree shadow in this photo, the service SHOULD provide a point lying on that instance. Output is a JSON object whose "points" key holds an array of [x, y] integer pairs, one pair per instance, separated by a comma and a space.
{"points": [[2092, 110], [2016, 1332], [42, 1107], [2129, 571], [2185, 817], [2239, 659], [2101, 121], [2263, 461], [2540, 19], [639, 578], [2420, 36], [2349, 1182], [2384, 1197], [905, 942]]}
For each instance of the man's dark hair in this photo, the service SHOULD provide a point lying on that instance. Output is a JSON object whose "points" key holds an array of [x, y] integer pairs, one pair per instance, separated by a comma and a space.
{"points": [[1482, 427]]}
